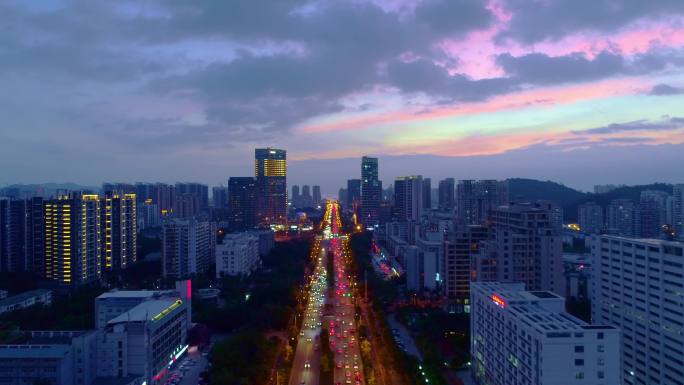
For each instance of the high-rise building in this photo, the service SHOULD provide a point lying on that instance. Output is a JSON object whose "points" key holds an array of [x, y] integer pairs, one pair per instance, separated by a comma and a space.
{"points": [[188, 247], [13, 235], [121, 187], [201, 191], [242, 197], [526, 337], [220, 197], [145, 191], [525, 247], [371, 190], [119, 223], [148, 214], [590, 217], [35, 235], [295, 198], [73, 239], [620, 217], [476, 198], [661, 199], [678, 210], [636, 286], [647, 217], [353, 194], [461, 245], [316, 195], [166, 198], [427, 193], [187, 206], [408, 198], [447, 189], [305, 199], [270, 169]]}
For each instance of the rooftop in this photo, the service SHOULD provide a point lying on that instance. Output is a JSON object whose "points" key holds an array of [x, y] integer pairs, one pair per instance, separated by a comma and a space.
{"points": [[34, 351], [147, 311], [15, 299], [128, 294]]}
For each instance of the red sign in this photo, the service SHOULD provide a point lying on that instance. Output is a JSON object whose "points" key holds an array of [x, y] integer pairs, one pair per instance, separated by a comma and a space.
{"points": [[498, 300]]}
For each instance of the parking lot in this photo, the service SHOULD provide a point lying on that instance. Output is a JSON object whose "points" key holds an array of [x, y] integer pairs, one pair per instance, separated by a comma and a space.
{"points": [[187, 371]]}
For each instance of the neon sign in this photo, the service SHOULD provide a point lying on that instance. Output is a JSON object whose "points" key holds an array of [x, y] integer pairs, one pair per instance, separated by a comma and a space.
{"points": [[498, 300]]}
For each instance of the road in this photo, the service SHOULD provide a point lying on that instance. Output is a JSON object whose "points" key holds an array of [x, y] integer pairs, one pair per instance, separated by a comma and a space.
{"points": [[306, 361], [342, 323]]}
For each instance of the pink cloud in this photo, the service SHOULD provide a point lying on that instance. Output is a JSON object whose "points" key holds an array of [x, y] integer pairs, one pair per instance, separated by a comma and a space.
{"points": [[549, 96]]}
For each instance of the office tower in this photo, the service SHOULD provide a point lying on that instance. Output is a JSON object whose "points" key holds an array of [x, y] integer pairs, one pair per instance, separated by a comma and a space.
{"points": [[270, 169], [12, 235], [475, 198], [187, 205], [119, 225], [526, 337], [620, 217], [408, 198], [316, 195], [219, 195], [427, 193], [305, 199], [295, 198], [353, 193], [678, 210], [525, 247], [447, 189], [73, 239], [188, 247], [460, 246], [590, 217], [636, 286], [238, 254], [242, 195], [148, 215], [166, 198], [371, 191], [35, 236]]}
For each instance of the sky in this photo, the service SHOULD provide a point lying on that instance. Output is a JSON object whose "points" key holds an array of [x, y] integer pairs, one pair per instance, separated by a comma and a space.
{"points": [[581, 92]]}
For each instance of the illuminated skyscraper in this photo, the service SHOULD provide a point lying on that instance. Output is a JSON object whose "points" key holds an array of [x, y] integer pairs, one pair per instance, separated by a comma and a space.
{"points": [[119, 229], [270, 169], [371, 190], [73, 239]]}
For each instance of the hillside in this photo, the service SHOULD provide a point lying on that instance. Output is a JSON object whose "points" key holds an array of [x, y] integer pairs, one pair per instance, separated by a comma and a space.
{"points": [[536, 189], [569, 198]]}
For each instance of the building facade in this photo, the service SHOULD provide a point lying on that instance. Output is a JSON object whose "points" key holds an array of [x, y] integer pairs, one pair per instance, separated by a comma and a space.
{"points": [[590, 217], [242, 198], [446, 194], [371, 191], [476, 198], [526, 337], [119, 225], [270, 170], [408, 198], [636, 286], [188, 247], [238, 254]]}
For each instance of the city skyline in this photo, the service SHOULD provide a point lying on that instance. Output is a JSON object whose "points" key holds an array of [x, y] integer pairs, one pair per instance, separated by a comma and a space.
{"points": [[185, 92]]}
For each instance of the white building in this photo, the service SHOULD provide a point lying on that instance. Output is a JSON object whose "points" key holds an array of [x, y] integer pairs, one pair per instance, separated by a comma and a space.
{"points": [[188, 247], [238, 254], [637, 285], [523, 337]]}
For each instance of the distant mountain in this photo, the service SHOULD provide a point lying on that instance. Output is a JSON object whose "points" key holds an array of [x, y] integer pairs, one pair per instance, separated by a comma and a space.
{"points": [[532, 189], [569, 199], [43, 189]]}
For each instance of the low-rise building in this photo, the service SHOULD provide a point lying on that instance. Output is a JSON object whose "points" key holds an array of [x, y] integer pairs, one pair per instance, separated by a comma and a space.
{"points": [[26, 299], [526, 337]]}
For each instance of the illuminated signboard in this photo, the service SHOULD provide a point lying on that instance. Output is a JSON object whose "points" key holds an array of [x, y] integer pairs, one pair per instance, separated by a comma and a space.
{"points": [[498, 300]]}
